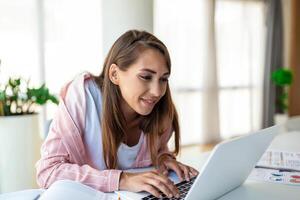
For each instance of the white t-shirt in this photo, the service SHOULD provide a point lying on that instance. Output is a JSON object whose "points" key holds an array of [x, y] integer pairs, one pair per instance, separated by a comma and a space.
{"points": [[93, 135]]}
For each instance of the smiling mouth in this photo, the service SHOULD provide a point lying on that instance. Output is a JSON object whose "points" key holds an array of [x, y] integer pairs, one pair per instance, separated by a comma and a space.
{"points": [[149, 102]]}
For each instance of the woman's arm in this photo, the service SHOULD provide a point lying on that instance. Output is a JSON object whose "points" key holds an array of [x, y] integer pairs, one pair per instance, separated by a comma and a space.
{"points": [[55, 165], [63, 153]]}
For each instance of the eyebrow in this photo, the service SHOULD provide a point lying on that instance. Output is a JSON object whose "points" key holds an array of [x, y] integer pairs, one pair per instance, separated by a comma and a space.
{"points": [[154, 72]]}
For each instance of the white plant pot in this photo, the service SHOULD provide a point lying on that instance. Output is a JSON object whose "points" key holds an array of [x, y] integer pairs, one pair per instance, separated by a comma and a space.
{"points": [[281, 118], [20, 142]]}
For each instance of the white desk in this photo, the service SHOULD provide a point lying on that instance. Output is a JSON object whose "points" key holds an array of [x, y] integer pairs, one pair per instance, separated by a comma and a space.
{"points": [[250, 190]]}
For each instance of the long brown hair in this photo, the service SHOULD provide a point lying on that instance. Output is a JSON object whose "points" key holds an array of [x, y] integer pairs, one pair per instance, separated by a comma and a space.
{"points": [[124, 52]]}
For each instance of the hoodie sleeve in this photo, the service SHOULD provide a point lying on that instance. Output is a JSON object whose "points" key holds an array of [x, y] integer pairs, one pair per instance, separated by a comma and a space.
{"points": [[63, 153]]}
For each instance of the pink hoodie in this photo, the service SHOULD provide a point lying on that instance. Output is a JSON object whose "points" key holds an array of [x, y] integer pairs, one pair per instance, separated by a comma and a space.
{"points": [[63, 155]]}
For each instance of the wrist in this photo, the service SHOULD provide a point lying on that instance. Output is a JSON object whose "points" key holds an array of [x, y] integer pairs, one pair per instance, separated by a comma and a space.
{"points": [[123, 180], [165, 157]]}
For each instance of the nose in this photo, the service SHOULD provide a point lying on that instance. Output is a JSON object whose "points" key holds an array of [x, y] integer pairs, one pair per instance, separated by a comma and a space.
{"points": [[156, 89]]}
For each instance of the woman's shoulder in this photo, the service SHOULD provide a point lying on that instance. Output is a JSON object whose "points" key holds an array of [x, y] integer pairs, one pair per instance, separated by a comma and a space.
{"points": [[84, 79], [73, 98], [76, 85], [91, 85]]}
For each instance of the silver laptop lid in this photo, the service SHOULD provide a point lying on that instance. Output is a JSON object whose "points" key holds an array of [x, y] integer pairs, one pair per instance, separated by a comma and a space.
{"points": [[230, 163]]}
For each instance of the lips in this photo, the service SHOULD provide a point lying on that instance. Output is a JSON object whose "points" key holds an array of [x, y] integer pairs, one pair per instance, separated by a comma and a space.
{"points": [[149, 102]]}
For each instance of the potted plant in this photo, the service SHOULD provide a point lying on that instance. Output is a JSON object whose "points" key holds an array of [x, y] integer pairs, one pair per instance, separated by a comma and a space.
{"points": [[17, 98], [282, 78], [20, 132]]}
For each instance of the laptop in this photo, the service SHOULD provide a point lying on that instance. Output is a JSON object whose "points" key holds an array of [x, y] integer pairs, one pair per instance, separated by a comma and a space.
{"points": [[227, 167]]}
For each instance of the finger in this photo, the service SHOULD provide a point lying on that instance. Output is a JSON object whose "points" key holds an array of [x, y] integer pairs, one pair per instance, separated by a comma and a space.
{"points": [[163, 170], [194, 171], [186, 171], [175, 167], [165, 180], [160, 186], [164, 184], [152, 190]]}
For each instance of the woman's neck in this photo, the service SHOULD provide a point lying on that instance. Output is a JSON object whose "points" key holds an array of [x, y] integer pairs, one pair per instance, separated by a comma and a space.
{"points": [[131, 117], [132, 129]]}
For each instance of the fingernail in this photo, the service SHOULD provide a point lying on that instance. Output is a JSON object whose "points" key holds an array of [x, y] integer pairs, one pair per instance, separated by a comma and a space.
{"points": [[177, 196]]}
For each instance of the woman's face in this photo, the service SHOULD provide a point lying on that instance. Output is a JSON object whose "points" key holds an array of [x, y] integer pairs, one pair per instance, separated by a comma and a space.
{"points": [[143, 84]]}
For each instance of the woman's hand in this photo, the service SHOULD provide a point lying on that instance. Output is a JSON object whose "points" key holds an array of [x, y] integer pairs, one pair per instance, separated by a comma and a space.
{"points": [[152, 182], [166, 163]]}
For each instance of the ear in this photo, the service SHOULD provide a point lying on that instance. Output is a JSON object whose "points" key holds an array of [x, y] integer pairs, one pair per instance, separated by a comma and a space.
{"points": [[113, 74]]}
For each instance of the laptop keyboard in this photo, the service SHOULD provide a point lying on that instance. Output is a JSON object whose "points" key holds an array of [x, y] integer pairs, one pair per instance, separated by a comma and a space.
{"points": [[183, 188]]}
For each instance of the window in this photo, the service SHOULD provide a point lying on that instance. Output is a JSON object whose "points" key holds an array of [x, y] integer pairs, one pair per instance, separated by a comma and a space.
{"points": [[37, 40], [240, 36], [19, 35], [72, 41], [183, 38], [239, 27]]}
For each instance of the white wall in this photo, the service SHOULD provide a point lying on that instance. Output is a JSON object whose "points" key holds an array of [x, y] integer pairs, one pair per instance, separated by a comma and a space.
{"points": [[118, 16]]}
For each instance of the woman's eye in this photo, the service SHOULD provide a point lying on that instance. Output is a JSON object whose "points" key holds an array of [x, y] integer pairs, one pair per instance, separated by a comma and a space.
{"points": [[164, 79], [146, 77]]}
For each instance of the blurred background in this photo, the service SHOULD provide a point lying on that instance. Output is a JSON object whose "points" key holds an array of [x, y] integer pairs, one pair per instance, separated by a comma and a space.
{"points": [[224, 54]]}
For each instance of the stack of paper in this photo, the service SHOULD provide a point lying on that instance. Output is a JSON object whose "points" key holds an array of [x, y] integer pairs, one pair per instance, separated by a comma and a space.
{"points": [[282, 160], [278, 167]]}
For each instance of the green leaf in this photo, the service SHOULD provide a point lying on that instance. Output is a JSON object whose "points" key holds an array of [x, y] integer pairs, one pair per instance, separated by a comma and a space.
{"points": [[14, 92], [41, 95], [14, 82], [53, 99], [282, 77], [2, 96], [7, 110]]}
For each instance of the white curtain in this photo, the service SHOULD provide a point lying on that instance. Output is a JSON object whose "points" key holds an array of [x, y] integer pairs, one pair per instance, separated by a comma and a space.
{"points": [[188, 31], [240, 39], [217, 52], [210, 103], [19, 36], [72, 41]]}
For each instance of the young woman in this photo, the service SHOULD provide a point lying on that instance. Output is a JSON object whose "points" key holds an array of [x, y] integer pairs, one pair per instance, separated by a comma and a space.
{"points": [[119, 120]]}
